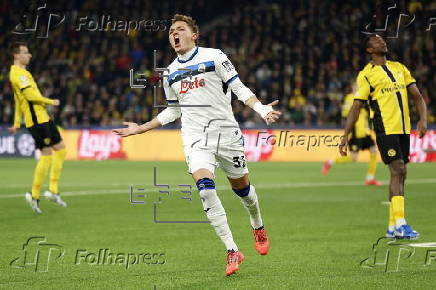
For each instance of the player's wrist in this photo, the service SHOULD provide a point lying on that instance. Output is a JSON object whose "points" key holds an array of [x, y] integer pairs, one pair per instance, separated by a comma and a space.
{"points": [[262, 110]]}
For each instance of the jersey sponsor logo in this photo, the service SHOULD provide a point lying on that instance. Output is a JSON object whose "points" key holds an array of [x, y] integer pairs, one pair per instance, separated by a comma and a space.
{"points": [[187, 85], [394, 88], [392, 152], [100, 145]]}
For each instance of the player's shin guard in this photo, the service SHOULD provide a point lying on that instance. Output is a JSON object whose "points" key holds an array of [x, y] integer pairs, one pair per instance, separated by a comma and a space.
{"points": [[372, 165], [56, 169], [398, 210], [249, 200], [215, 212], [40, 174]]}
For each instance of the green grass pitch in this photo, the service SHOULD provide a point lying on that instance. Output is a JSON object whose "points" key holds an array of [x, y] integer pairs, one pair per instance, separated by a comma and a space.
{"points": [[320, 227]]}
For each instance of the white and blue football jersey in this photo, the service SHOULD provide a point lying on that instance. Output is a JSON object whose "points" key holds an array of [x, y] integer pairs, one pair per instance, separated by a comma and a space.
{"points": [[198, 82]]}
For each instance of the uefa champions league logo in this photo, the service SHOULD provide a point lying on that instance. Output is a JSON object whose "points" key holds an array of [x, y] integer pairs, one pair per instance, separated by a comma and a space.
{"points": [[26, 145]]}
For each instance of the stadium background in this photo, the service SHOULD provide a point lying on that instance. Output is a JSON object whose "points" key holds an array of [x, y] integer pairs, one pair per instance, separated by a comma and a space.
{"points": [[303, 53]]}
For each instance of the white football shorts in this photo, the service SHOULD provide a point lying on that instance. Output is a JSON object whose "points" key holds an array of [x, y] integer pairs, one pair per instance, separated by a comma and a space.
{"points": [[228, 155]]}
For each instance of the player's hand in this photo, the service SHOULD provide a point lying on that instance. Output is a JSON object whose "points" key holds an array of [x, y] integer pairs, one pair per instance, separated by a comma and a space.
{"points": [[343, 146], [12, 130], [421, 127], [132, 129], [272, 116], [56, 102]]}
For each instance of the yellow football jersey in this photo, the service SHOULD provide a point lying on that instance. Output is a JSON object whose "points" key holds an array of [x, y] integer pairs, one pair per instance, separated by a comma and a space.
{"points": [[361, 128], [385, 86], [28, 98]]}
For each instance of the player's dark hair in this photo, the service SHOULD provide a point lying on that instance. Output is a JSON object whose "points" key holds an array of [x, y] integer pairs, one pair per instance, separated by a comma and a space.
{"points": [[15, 47], [191, 23], [368, 38]]}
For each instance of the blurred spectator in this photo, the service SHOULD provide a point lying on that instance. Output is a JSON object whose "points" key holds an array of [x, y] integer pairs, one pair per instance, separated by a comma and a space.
{"points": [[303, 53]]}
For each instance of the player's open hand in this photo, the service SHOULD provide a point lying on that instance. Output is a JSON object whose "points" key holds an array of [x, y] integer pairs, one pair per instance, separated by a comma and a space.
{"points": [[12, 130], [56, 102], [132, 129], [272, 116], [343, 146], [421, 127]]}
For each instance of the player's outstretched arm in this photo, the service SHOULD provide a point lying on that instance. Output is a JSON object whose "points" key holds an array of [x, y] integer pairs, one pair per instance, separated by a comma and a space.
{"points": [[353, 114], [133, 128], [32, 95], [421, 107], [265, 111], [166, 116]]}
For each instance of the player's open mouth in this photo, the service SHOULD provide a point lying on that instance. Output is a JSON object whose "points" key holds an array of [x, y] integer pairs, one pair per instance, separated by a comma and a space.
{"points": [[176, 41]]}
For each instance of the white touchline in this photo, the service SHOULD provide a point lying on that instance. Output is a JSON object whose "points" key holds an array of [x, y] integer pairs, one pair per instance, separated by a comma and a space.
{"points": [[260, 186]]}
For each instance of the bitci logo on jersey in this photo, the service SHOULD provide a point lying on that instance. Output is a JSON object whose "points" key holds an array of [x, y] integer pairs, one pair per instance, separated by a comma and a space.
{"points": [[186, 85]]}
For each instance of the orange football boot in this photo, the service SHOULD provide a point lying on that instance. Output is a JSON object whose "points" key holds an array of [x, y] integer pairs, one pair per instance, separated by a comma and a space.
{"points": [[233, 260], [261, 242]]}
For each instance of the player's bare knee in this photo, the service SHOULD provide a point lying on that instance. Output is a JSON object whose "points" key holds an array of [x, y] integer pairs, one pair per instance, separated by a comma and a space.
{"points": [[239, 183], [398, 168], [201, 174]]}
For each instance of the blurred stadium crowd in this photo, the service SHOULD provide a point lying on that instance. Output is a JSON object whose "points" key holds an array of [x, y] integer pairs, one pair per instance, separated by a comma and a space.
{"points": [[304, 53]]}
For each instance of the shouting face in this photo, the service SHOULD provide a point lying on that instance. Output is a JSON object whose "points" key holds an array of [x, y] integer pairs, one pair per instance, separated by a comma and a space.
{"points": [[181, 36]]}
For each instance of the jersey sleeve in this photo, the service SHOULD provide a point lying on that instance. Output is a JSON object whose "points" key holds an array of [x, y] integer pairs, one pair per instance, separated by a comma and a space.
{"points": [[408, 78], [33, 95], [363, 88], [170, 95], [22, 81], [224, 68], [17, 114]]}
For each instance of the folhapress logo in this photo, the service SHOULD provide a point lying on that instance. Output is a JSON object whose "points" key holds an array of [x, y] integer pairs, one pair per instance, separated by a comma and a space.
{"points": [[38, 255]]}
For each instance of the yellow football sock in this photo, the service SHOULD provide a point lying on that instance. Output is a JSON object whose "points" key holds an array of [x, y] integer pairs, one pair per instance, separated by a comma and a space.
{"points": [[343, 159], [40, 174], [391, 217], [398, 209], [56, 169], [372, 164]]}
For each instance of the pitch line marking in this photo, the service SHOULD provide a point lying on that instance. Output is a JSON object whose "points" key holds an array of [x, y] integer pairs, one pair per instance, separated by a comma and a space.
{"points": [[263, 186]]}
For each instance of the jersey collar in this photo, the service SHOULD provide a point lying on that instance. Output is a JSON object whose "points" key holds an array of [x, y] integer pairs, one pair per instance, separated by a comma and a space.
{"points": [[187, 56]]}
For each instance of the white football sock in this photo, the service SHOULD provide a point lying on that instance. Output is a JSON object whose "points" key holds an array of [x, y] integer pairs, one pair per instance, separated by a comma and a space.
{"points": [[217, 216], [252, 205]]}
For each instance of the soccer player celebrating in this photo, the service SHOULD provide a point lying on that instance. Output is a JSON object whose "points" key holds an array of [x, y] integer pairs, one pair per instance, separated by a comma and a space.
{"points": [[30, 103], [198, 89], [360, 139], [387, 84]]}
